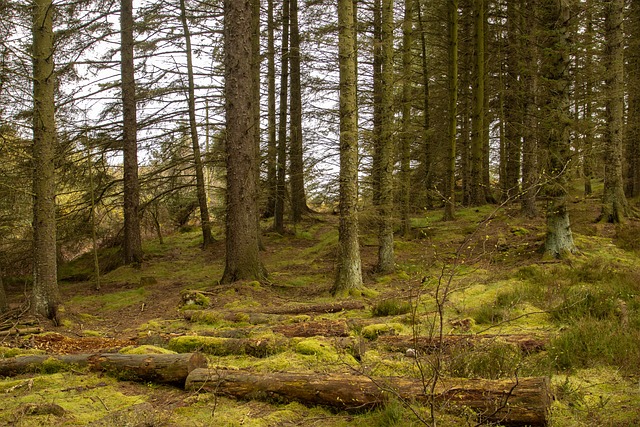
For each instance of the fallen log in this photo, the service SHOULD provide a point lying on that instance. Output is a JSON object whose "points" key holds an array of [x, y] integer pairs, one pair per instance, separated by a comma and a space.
{"points": [[526, 343], [218, 346], [20, 331], [324, 328], [316, 308], [159, 368], [520, 402]]}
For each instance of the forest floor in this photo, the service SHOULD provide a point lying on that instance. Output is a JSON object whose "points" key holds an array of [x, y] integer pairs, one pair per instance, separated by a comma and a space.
{"points": [[487, 264]]}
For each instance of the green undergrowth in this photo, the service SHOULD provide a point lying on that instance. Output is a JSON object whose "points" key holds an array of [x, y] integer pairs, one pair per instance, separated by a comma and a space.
{"points": [[113, 300]]}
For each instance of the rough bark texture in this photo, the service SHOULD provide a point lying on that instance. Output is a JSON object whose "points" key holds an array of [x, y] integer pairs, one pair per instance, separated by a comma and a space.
{"points": [[132, 243], [45, 282], [530, 137], [554, 130], [477, 191], [450, 179], [317, 308], [349, 270], [296, 168], [159, 368], [632, 130], [272, 144], [427, 144], [4, 304], [406, 134], [281, 163], [323, 328], [242, 257], [519, 402], [207, 237], [386, 260], [614, 205]]}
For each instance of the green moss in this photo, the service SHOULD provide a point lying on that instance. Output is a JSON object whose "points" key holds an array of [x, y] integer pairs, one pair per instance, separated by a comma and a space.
{"points": [[113, 300], [145, 349], [227, 346], [390, 307], [372, 332], [192, 299], [315, 347]]}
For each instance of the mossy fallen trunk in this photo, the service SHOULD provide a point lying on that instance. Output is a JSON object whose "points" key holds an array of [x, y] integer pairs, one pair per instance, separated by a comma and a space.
{"points": [[159, 368], [218, 346], [335, 307], [323, 328], [521, 402], [526, 343]]}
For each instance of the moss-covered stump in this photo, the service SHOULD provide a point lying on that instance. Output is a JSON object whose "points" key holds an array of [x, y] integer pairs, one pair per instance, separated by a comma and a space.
{"points": [[520, 402], [526, 343], [218, 346], [160, 368]]}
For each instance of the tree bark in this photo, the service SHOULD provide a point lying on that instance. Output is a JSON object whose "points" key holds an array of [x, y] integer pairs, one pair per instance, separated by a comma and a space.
{"points": [[450, 178], [349, 269], [4, 303], [281, 163], [272, 144], [296, 165], [525, 401], [159, 368], [632, 130], [614, 204], [207, 237], [242, 246], [132, 244], [477, 191], [45, 282], [386, 259], [426, 132], [554, 20], [406, 133]]}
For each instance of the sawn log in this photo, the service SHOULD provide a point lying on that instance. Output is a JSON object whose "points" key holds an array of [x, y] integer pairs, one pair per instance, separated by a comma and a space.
{"points": [[159, 368], [520, 402]]}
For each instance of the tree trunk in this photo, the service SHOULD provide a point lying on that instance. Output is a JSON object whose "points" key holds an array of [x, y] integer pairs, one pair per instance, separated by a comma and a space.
{"points": [[632, 131], [4, 303], [450, 178], [296, 171], [406, 133], [530, 138], [555, 17], [477, 191], [207, 237], [525, 401], [614, 205], [281, 164], [427, 143], [242, 255], [386, 259], [349, 270], [158, 368], [132, 244], [45, 282], [272, 144]]}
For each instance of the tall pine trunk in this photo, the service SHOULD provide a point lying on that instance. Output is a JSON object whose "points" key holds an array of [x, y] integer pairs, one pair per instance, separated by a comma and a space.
{"points": [[406, 132], [242, 258], [272, 144], [555, 15], [450, 158], [632, 130], [132, 244], [207, 237], [349, 268], [477, 191], [296, 165], [281, 163], [386, 262], [614, 205], [45, 285]]}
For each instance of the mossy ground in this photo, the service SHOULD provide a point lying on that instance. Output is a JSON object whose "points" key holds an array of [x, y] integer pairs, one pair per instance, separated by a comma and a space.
{"points": [[486, 263]]}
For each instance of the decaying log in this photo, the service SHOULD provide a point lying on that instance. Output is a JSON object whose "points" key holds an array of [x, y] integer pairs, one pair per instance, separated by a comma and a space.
{"points": [[160, 368], [519, 402], [207, 316], [316, 308], [20, 331], [526, 343], [323, 328], [218, 346]]}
